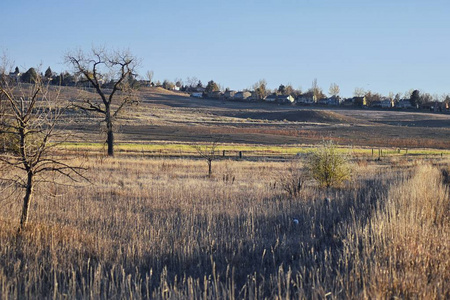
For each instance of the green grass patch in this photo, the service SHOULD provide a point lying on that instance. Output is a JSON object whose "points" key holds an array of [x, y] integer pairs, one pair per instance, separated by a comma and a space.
{"points": [[246, 149]]}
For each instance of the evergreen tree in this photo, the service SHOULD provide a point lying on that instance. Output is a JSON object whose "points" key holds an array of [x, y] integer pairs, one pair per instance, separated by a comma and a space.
{"points": [[30, 76], [48, 73], [415, 98], [211, 87]]}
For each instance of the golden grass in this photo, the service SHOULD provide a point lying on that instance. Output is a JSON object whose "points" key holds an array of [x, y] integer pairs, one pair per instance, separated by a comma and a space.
{"points": [[161, 229]]}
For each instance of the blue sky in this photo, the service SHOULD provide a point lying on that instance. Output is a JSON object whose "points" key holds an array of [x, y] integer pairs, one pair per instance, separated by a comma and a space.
{"points": [[382, 46]]}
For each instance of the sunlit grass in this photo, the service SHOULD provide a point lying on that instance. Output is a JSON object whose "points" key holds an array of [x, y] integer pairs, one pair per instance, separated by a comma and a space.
{"points": [[162, 229]]}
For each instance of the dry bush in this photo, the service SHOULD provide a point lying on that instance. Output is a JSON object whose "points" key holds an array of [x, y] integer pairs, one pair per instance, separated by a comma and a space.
{"points": [[292, 180], [327, 166]]}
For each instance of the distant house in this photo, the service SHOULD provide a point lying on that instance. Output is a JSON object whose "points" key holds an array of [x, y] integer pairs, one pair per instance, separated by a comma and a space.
{"points": [[305, 100], [434, 106], [404, 103], [334, 100], [376, 104], [323, 101], [285, 99], [199, 89], [197, 95], [359, 101], [271, 98], [386, 103], [242, 95], [15, 75], [427, 105], [215, 95], [229, 94], [347, 102]]}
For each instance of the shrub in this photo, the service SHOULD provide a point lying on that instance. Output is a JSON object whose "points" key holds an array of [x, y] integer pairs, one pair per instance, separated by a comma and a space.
{"points": [[292, 181], [327, 166]]}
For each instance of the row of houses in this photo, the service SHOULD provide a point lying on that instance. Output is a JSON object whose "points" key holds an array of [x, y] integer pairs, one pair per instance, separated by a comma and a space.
{"points": [[308, 99]]}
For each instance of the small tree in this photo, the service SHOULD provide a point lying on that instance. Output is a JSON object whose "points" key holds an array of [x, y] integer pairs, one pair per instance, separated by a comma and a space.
{"points": [[260, 89], [327, 166], [29, 117], [208, 152]]}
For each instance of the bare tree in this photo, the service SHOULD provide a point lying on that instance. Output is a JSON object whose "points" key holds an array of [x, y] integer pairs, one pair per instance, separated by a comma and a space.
{"points": [[260, 88], [192, 81], [149, 75], [120, 66], [30, 114], [334, 90], [359, 92], [316, 90], [208, 152]]}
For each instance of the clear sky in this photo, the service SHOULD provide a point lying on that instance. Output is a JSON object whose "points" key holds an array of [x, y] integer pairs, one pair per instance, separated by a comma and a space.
{"points": [[383, 46]]}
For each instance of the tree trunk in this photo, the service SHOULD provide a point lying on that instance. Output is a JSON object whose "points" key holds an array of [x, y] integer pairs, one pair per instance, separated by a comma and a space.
{"points": [[26, 201], [110, 134], [209, 167], [110, 142]]}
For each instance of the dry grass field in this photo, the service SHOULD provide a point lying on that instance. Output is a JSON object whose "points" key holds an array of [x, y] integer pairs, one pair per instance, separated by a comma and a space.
{"points": [[149, 227], [161, 229]]}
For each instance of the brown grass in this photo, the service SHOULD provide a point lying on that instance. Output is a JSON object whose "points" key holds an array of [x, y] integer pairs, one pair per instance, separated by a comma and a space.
{"points": [[160, 228]]}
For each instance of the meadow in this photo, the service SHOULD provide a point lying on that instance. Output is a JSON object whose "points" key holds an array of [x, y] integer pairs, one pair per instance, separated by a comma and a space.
{"points": [[160, 228]]}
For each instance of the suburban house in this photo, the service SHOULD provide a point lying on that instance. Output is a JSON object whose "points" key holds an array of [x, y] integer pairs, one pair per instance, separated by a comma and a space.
{"points": [[305, 100], [436, 106], [215, 95], [15, 75], [229, 94], [347, 102], [385, 103], [242, 95], [404, 103], [197, 94], [271, 98], [323, 101], [285, 99], [359, 101], [334, 100]]}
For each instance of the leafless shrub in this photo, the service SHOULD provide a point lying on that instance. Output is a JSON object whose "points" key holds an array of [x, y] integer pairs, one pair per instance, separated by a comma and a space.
{"points": [[293, 179]]}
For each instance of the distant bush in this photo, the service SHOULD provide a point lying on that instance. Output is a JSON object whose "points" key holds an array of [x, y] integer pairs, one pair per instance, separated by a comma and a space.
{"points": [[327, 166], [292, 181]]}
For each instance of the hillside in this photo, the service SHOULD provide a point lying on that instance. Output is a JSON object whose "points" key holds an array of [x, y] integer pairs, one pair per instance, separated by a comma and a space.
{"points": [[173, 116]]}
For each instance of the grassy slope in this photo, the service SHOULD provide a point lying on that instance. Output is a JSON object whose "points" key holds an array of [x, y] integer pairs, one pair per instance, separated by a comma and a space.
{"points": [[170, 116]]}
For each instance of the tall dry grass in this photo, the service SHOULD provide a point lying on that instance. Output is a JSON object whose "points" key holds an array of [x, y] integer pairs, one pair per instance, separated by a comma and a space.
{"points": [[161, 229]]}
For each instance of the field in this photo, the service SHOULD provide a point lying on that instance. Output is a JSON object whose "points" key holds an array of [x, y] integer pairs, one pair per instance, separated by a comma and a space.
{"points": [[174, 117], [151, 223]]}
